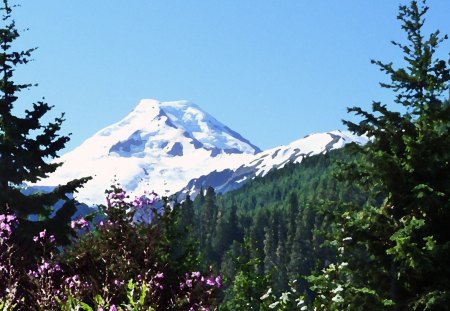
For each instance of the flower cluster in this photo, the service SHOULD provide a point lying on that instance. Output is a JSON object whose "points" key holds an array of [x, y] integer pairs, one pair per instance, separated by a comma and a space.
{"points": [[157, 280], [9, 274], [115, 199], [45, 269], [7, 222], [103, 266], [200, 290], [197, 279], [79, 223], [43, 237], [287, 300], [149, 198]]}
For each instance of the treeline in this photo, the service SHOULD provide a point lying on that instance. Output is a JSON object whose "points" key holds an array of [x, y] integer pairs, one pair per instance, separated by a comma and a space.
{"points": [[279, 220]]}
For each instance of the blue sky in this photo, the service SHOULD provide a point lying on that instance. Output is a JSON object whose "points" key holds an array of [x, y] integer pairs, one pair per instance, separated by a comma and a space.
{"points": [[274, 71]]}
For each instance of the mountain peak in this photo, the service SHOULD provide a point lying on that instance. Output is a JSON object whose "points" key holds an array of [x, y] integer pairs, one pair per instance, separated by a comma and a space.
{"points": [[146, 106], [161, 145]]}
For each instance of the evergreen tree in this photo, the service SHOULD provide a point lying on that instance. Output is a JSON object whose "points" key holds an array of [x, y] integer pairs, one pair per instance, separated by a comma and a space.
{"points": [[27, 146], [187, 213], [234, 228], [291, 217], [249, 285], [257, 237], [398, 248], [269, 250], [280, 280], [221, 238], [208, 222]]}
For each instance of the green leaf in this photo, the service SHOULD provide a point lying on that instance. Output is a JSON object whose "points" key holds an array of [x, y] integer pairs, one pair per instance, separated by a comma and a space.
{"points": [[86, 307]]}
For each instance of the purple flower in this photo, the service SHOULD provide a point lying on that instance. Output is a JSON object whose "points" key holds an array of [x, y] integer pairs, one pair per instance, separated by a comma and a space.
{"points": [[42, 233], [44, 267], [111, 196], [33, 273], [210, 282], [120, 195], [52, 239], [118, 283], [159, 275], [11, 218], [79, 223], [83, 223], [152, 198], [35, 238], [112, 308], [137, 202], [73, 281], [218, 281], [196, 274], [6, 227], [189, 283]]}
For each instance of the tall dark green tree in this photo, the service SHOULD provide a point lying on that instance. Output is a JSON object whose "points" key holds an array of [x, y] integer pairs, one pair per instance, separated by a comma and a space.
{"points": [[27, 147], [398, 248]]}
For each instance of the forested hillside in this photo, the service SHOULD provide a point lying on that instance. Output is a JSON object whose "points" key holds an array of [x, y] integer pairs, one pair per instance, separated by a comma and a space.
{"points": [[279, 216]]}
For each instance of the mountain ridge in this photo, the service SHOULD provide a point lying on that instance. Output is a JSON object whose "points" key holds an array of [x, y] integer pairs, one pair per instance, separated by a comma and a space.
{"points": [[275, 158], [168, 147]]}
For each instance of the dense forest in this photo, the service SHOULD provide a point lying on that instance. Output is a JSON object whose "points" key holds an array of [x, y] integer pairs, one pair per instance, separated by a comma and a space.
{"points": [[277, 223], [360, 228]]}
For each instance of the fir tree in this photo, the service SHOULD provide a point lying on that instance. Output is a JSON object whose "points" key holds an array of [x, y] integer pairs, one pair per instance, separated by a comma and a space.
{"points": [[27, 146], [187, 214], [398, 247]]}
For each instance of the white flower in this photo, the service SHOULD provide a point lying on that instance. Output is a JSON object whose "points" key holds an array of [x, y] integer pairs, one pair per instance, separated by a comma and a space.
{"points": [[266, 295], [273, 305], [338, 289], [338, 298], [300, 301], [284, 297]]}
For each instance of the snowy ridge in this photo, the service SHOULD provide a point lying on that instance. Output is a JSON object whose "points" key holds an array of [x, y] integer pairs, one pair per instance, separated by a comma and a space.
{"points": [[159, 146], [230, 179], [177, 148]]}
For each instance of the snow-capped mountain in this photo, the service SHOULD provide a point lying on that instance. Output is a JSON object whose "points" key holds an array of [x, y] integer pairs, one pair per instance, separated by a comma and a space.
{"points": [[261, 163], [159, 147], [177, 148]]}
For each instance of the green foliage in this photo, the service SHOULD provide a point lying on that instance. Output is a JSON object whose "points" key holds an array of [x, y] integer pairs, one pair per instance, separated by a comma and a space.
{"points": [[248, 285], [122, 249], [136, 301], [397, 246]]}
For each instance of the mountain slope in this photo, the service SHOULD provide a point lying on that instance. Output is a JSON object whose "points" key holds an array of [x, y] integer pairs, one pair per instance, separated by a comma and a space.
{"points": [[262, 163], [159, 146], [164, 146]]}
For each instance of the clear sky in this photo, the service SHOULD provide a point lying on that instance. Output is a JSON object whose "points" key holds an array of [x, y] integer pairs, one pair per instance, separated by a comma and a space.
{"points": [[274, 71]]}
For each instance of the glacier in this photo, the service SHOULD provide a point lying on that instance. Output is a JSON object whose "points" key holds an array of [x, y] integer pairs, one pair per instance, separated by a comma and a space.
{"points": [[177, 148]]}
